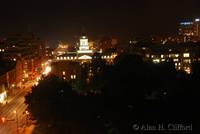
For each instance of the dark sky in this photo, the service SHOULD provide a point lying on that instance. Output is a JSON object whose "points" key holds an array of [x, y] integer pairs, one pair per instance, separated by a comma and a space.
{"points": [[63, 19]]}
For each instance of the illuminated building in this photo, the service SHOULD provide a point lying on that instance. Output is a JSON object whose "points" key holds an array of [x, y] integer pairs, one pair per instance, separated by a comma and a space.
{"points": [[183, 55], [62, 48], [68, 65], [66, 70], [190, 29], [84, 53], [7, 78], [27, 51], [3, 93], [84, 46]]}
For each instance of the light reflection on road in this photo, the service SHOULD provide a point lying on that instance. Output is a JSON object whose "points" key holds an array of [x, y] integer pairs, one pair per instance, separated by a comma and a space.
{"points": [[15, 102]]}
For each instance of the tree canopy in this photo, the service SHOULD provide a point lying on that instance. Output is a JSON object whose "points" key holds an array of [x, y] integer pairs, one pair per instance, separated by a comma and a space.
{"points": [[131, 90]]}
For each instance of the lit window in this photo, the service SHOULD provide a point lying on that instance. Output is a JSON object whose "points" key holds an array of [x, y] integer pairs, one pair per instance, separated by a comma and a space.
{"points": [[58, 58], [176, 55], [175, 60], [73, 77], [63, 72], [156, 60], [143, 48], [187, 61], [186, 55], [64, 58], [162, 56], [61, 58], [187, 70]]}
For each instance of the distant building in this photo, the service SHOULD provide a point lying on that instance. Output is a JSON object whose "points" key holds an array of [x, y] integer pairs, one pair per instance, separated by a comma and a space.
{"points": [[49, 53], [66, 70], [183, 55], [68, 65], [107, 43], [190, 30], [27, 51], [84, 46], [61, 49], [7, 79], [85, 53]]}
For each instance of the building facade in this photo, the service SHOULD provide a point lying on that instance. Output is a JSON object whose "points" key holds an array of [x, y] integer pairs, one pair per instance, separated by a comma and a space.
{"points": [[190, 30]]}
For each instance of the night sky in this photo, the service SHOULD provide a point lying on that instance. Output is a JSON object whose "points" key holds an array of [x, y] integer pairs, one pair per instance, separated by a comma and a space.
{"points": [[63, 20]]}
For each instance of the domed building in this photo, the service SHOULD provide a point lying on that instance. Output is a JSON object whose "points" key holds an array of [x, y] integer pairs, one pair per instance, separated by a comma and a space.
{"points": [[85, 53]]}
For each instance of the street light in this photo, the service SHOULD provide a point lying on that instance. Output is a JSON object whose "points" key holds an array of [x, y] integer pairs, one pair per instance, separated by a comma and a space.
{"points": [[3, 119], [15, 112], [27, 114]]}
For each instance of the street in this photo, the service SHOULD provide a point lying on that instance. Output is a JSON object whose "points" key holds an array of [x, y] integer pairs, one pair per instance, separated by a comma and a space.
{"points": [[13, 112]]}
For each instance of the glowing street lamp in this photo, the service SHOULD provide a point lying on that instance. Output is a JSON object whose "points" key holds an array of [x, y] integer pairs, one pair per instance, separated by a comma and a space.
{"points": [[27, 113], [3, 119]]}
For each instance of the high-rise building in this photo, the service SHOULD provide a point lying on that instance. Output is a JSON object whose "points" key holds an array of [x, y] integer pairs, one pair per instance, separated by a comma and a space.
{"points": [[190, 28]]}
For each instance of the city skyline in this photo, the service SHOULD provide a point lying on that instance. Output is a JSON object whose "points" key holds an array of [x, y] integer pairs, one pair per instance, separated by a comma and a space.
{"points": [[63, 20]]}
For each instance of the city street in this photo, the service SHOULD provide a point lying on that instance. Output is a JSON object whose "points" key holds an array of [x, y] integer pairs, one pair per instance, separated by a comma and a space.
{"points": [[13, 112]]}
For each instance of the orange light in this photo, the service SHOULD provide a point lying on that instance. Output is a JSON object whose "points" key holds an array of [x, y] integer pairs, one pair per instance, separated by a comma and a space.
{"points": [[3, 119], [26, 112], [15, 112]]}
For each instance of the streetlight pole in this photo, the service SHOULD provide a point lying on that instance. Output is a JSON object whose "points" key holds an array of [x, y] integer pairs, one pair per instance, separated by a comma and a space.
{"points": [[15, 112], [27, 113]]}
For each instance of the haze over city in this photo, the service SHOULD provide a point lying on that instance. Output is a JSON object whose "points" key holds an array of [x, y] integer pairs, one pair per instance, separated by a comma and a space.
{"points": [[62, 20]]}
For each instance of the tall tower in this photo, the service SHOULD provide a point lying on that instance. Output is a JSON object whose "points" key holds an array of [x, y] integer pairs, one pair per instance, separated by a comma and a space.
{"points": [[84, 46], [83, 43]]}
